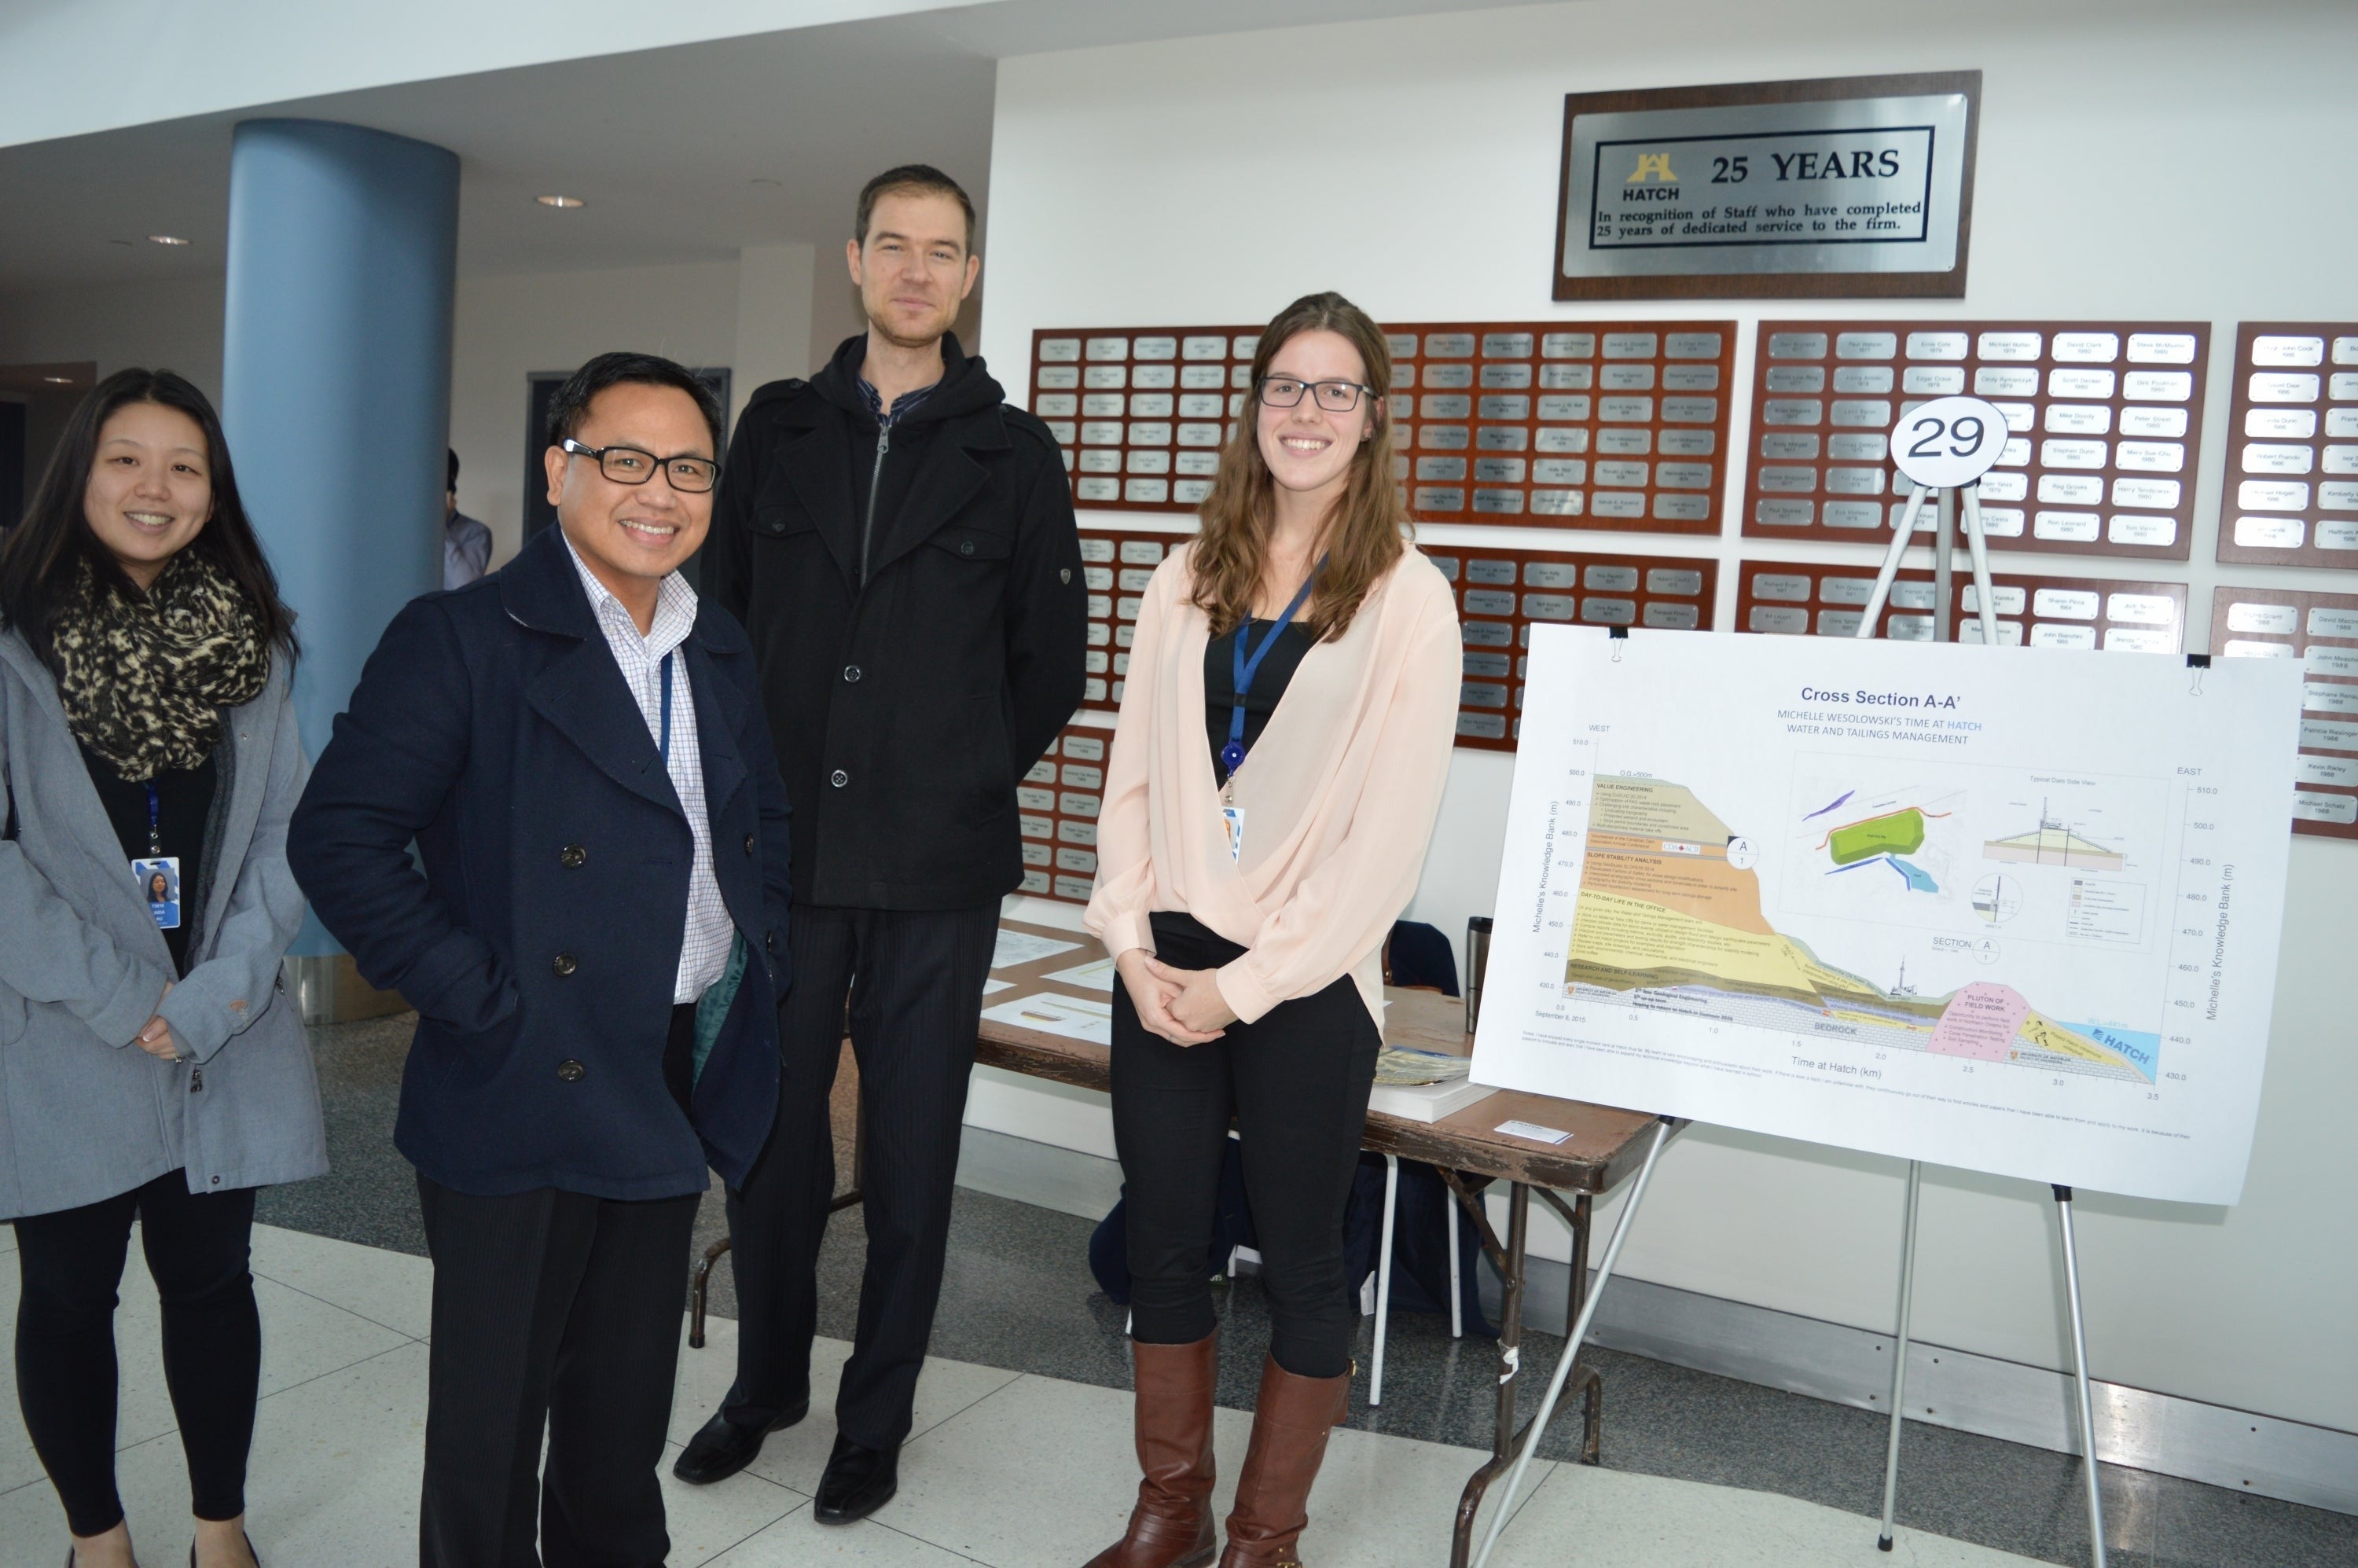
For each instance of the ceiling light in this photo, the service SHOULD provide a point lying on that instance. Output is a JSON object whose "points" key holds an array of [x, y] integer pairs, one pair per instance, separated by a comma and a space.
{"points": [[560, 201], [167, 239], [58, 380]]}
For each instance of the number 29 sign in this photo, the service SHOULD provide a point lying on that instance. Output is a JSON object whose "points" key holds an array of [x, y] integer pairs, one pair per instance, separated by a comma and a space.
{"points": [[1948, 442]]}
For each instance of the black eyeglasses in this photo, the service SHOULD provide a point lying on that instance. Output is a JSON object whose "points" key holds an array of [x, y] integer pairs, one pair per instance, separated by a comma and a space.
{"points": [[628, 465], [1334, 396]]}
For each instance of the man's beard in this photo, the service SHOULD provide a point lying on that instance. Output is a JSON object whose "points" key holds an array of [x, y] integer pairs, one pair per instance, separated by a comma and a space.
{"points": [[943, 324]]}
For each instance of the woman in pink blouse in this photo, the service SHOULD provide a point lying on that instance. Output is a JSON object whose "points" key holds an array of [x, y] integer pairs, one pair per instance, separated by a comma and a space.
{"points": [[1284, 740]]}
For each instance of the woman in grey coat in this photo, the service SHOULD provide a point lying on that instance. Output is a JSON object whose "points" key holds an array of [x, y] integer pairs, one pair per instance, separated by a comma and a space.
{"points": [[150, 1065]]}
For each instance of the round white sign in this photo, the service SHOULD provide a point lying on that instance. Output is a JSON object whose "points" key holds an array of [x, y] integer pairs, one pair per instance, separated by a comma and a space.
{"points": [[1948, 442]]}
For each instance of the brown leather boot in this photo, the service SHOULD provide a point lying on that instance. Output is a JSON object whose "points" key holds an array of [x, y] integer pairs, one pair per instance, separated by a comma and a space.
{"points": [[1290, 1421], [1172, 1525]]}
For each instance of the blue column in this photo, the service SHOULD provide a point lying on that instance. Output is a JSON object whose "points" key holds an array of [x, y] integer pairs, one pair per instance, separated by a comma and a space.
{"points": [[336, 383]]}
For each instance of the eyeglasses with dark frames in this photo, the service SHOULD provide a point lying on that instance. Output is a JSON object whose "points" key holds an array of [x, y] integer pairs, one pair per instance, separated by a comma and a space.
{"points": [[628, 465], [1334, 396]]}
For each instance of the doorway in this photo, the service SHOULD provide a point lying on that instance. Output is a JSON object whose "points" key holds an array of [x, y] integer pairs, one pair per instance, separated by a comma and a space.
{"points": [[36, 401]]}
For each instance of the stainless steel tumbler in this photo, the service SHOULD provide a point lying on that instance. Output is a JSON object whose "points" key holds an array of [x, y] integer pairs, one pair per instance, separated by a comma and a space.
{"points": [[1478, 959]]}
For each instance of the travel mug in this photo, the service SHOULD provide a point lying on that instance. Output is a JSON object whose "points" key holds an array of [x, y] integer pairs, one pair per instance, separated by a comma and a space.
{"points": [[1478, 959]]}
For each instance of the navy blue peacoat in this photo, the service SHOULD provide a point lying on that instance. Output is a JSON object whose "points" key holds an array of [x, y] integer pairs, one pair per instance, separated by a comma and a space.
{"points": [[540, 940]]}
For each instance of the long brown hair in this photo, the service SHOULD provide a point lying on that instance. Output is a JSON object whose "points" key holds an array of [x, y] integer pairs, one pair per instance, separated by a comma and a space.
{"points": [[1367, 527]]}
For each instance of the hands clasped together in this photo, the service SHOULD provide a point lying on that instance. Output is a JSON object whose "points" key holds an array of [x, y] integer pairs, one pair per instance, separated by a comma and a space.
{"points": [[1183, 1006]]}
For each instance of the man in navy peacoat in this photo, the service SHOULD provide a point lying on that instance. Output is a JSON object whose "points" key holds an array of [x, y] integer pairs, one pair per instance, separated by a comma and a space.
{"points": [[595, 945]]}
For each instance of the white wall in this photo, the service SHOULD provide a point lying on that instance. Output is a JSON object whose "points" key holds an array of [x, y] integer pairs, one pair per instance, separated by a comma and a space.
{"points": [[508, 327], [764, 316], [2137, 160], [171, 326]]}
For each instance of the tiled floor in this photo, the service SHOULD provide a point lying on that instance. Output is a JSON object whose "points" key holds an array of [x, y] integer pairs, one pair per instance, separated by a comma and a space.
{"points": [[1005, 1469], [1018, 1305]]}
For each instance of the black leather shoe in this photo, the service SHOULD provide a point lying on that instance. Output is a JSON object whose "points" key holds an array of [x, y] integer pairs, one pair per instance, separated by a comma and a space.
{"points": [[857, 1482], [721, 1447]]}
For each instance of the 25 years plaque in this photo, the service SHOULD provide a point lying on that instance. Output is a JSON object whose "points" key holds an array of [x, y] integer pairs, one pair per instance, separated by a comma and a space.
{"points": [[1850, 186]]}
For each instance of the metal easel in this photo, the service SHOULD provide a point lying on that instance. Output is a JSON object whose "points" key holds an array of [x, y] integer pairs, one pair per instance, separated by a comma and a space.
{"points": [[1961, 477]]}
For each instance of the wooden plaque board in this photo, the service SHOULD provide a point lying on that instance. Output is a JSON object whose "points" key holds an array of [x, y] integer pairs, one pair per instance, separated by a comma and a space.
{"points": [[1501, 594], [1800, 597], [2106, 420], [2322, 631], [1613, 426], [1117, 564], [2291, 495], [1056, 813]]}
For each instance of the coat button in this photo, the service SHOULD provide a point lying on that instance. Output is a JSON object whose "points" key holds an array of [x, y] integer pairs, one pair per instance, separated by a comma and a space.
{"points": [[851, 672], [748, 843], [838, 778], [770, 941], [966, 546], [571, 856], [570, 1070], [563, 964]]}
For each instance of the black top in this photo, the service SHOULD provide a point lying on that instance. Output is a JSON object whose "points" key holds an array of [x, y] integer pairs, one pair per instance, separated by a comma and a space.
{"points": [[1269, 683], [906, 702], [184, 798]]}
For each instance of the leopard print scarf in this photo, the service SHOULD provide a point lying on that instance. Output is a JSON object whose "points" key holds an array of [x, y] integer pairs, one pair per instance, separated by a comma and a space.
{"points": [[144, 679]]}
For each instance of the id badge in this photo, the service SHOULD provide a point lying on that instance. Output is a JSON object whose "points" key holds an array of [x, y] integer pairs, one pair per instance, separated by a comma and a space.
{"points": [[1234, 817], [159, 884]]}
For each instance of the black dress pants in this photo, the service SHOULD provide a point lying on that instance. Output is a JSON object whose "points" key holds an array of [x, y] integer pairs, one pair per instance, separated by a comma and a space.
{"points": [[72, 1263], [914, 979], [554, 1312], [1296, 1081]]}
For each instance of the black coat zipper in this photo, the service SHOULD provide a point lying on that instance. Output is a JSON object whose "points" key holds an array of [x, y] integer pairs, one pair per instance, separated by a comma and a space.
{"points": [[875, 481]]}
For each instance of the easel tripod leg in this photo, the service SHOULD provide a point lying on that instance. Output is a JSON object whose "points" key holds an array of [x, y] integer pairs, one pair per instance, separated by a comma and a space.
{"points": [[2079, 1380], [1900, 1351], [1977, 542], [1872, 616], [1384, 1279], [1572, 1345]]}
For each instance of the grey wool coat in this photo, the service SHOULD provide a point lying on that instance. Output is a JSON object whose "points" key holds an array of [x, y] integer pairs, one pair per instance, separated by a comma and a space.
{"points": [[85, 1113]]}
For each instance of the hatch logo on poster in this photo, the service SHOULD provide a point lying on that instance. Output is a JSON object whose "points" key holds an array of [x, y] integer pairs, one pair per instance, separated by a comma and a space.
{"points": [[1652, 167]]}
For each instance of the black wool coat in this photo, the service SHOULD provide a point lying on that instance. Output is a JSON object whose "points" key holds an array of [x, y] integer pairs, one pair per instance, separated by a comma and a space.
{"points": [[540, 941], [909, 697]]}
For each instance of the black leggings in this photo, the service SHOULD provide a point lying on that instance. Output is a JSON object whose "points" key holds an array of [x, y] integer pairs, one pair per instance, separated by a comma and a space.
{"points": [[1297, 1082], [72, 1263]]}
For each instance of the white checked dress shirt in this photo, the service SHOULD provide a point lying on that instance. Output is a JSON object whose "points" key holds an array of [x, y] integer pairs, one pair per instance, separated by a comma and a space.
{"points": [[704, 950]]}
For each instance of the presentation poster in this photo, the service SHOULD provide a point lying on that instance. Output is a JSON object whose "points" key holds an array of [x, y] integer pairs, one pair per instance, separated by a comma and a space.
{"points": [[2013, 910]]}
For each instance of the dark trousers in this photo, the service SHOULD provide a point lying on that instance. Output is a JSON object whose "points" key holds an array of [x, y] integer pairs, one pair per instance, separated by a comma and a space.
{"points": [[1296, 1081], [71, 1262], [915, 1006], [554, 1312]]}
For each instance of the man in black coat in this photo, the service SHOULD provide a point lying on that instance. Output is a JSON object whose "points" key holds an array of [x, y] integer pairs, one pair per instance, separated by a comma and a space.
{"points": [[595, 948], [900, 546]]}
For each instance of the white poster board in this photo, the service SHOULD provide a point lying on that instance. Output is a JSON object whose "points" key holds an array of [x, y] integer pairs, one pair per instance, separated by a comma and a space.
{"points": [[2014, 912]]}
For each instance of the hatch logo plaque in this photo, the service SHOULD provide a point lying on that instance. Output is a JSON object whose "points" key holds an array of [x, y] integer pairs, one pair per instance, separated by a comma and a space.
{"points": [[1858, 186]]}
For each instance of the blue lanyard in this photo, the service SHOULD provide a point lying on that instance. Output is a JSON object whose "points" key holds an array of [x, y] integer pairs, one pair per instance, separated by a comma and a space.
{"points": [[154, 821], [1232, 755], [662, 741]]}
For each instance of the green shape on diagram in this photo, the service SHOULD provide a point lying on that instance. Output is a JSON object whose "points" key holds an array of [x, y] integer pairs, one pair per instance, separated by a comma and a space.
{"points": [[1899, 833]]}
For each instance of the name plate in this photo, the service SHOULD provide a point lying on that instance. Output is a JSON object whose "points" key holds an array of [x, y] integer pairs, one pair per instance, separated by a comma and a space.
{"points": [[1822, 189]]}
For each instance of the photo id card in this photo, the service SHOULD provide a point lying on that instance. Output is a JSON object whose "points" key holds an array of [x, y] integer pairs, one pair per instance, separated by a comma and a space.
{"points": [[159, 883], [1234, 817]]}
